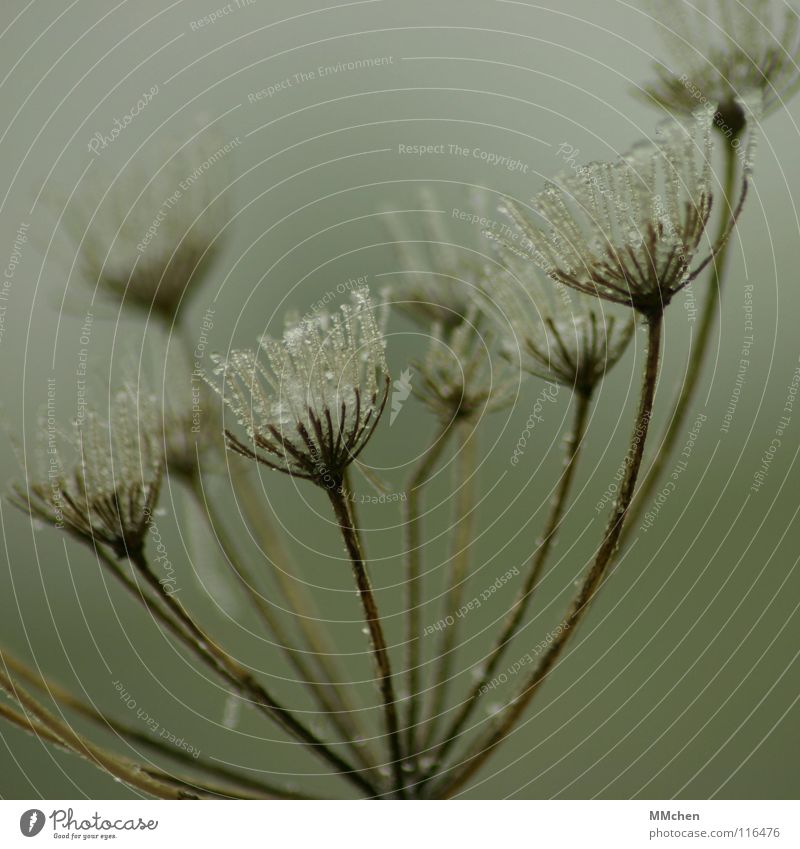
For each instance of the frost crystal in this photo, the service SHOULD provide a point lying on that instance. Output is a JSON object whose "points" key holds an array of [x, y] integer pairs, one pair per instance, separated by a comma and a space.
{"points": [[629, 231], [310, 401], [105, 488], [725, 50]]}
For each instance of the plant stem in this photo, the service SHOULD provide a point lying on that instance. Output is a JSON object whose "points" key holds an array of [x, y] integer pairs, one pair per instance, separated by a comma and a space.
{"points": [[301, 604], [508, 716], [557, 509], [458, 566], [344, 715], [420, 476], [323, 695], [192, 789], [379, 650], [680, 408], [131, 733], [60, 733], [184, 627]]}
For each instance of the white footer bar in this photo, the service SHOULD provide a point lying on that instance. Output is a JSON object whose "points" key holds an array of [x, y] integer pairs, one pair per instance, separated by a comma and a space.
{"points": [[461, 824]]}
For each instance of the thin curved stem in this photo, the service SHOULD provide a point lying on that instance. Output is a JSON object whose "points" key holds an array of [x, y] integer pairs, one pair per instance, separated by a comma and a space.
{"points": [[133, 734], [60, 733], [458, 567], [179, 621], [324, 695], [505, 721], [680, 408], [412, 522], [522, 603], [379, 649], [301, 604], [192, 788]]}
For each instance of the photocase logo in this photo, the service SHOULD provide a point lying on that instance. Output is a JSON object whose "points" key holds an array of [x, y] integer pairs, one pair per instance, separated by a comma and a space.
{"points": [[400, 393], [31, 822]]}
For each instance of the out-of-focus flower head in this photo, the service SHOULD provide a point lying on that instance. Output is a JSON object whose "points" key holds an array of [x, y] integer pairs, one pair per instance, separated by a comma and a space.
{"points": [[725, 51], [101, 481], [152, 238]]}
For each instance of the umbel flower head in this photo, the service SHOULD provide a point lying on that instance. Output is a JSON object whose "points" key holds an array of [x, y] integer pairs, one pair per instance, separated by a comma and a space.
{"points": [[629, 231], [152, 239], [105, 487], [724, 51], [459, 378], [555, 333], [437, 277], [310, 401]]}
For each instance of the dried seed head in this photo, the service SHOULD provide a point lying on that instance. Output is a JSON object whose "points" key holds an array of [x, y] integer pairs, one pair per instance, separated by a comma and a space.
{"points": [[629, 231], [724, 51], [149, 243], [310, 401], [437, 276], [105, 489], [459, 378], [553, 332]]}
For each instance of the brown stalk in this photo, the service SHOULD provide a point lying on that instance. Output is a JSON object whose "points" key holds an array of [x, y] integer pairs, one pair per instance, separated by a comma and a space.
{"points": [[523, 600], [372, 617], [458, 567], [420, 476], [505, 721], [324, 695]]}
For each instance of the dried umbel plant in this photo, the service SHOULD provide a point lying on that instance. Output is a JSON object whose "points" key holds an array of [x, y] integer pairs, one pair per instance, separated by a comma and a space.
{"points": [[631, 231], [153, 237], [724, 51], [106, 497], [103, 479], [743, 56], [568, 339], [459, 379], [310, 401], [309, 411], [625, 234]]}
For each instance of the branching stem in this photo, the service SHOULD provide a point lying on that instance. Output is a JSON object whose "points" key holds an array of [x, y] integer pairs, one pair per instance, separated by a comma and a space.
{"points": [[505, 721], [522, 603]]}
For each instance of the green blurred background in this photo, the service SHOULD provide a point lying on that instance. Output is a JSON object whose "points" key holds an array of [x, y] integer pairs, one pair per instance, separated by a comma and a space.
{"points": [[683, 681]]}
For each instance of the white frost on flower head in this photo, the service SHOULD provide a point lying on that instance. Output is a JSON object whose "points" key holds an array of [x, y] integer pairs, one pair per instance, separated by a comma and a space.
{"points": [[628, 231], [726, 50], [105, 486], [310, 401], [560, 335]]}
